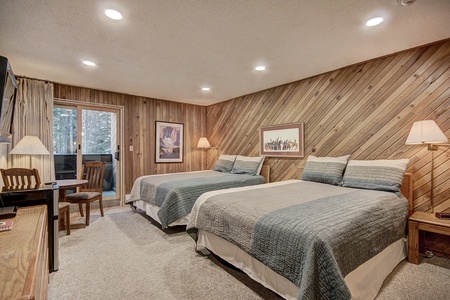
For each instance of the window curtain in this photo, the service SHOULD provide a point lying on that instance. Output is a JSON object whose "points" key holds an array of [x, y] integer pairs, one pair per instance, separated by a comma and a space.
{"points": [[33, 115]]}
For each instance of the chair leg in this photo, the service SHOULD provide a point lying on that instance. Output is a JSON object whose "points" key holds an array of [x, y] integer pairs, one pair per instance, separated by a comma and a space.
{"points": [[80, 206], [101, 207], [88, 212], [67, 221]]}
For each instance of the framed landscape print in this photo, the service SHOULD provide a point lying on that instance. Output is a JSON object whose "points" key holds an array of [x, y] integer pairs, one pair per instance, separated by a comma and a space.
{"points": [[285, 140], [169, 142]]}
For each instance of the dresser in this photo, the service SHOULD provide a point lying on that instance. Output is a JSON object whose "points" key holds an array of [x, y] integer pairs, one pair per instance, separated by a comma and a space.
{"points": [[24, 256], [47, 194]]}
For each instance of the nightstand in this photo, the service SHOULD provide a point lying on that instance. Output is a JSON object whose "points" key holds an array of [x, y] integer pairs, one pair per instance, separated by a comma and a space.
{"points": [[424, 221]]}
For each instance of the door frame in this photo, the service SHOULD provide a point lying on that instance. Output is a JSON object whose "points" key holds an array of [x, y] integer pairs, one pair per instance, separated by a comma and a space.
{"points": [[119, 110]]}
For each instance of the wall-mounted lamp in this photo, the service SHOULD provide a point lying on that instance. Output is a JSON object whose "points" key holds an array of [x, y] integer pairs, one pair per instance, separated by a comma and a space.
{"points": [[427, 133], [30, 145]]}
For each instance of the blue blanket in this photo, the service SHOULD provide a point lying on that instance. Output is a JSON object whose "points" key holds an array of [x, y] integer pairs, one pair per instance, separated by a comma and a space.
{"points": [[176, 193], [176, 198], [313, 234]]}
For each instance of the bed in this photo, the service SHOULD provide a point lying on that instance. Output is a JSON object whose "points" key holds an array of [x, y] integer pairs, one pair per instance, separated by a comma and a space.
{"points": [[168, 198], [305, 239]]}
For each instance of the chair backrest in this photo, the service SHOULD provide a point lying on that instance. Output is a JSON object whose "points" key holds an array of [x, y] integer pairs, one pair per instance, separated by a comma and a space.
{"points": [[94, 172], [20, 178]]}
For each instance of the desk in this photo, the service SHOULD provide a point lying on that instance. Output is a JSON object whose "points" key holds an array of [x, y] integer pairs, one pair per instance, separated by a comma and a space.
{"points": [[424, 221], [65, 184]]}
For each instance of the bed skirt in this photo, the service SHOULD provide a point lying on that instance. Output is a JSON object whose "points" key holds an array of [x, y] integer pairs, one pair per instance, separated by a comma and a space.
{"points": [[364, 282], [151, 210]]}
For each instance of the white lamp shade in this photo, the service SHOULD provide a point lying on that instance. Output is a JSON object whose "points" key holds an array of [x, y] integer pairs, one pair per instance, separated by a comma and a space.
{"points": [[30, 145], [203, 143], [425, 132]]}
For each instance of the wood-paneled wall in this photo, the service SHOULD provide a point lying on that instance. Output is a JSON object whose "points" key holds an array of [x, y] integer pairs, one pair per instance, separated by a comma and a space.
{"points": [[365, 110], [140, 116]]}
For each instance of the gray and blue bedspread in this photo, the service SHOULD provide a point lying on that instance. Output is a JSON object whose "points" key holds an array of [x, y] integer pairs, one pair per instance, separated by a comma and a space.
{"points": [[311, 233], [176, 193]]}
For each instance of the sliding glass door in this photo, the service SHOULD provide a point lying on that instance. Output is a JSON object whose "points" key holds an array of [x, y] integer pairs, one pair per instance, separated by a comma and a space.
{"points": [[82, 134]]}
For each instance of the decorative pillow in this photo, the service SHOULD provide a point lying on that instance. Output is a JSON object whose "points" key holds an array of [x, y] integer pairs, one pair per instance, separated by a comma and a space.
{"points": [[225, 163], [382, 175], [325, 169], [247, 165]]}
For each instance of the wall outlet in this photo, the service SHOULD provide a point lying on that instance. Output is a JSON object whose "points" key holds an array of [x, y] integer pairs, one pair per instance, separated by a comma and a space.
{"points": [[131, 148]]}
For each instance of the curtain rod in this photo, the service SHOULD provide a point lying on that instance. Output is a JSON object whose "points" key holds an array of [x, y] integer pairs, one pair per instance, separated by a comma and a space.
{"points": [[32, 78]]}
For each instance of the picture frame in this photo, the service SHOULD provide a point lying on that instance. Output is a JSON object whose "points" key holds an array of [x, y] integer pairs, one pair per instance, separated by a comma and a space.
{"points": [[284, 140], [169, 142]]}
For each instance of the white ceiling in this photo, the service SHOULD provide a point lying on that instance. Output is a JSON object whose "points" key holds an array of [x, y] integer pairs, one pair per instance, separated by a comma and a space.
{"points": [[170, 49]]}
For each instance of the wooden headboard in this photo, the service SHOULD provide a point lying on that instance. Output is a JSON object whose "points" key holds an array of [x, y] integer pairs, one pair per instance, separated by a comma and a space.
{"points": [[406, 188], [265, 172]]}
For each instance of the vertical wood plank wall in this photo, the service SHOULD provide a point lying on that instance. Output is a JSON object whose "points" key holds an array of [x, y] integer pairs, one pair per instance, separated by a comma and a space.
{"points": [[365, 110], [140, 116]]}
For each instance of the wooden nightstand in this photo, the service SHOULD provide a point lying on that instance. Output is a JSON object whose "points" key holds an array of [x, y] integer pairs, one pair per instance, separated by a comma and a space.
{"points": [[424, 221]]}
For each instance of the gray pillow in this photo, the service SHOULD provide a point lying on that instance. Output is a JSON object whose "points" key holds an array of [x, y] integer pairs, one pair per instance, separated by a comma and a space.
{"points": [[325, 169], [247, 165], [225, 163], [382, 175]]}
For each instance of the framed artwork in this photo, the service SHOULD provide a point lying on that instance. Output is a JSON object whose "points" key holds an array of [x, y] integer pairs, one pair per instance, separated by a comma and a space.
{"points": [[285, 140], [169, 142]]}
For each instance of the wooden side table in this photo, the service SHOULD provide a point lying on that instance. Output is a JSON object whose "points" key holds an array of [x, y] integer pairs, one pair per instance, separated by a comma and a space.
{"points": [[424, 221]]}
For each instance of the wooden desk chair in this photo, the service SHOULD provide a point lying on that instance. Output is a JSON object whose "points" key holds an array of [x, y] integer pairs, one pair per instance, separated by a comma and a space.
{"points": [[23, 178], [93, 172], [20, 177]]}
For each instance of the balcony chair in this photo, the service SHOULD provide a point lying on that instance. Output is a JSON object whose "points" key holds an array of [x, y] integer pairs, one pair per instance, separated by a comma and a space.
{"points": [[93, 172], [20, 178]]}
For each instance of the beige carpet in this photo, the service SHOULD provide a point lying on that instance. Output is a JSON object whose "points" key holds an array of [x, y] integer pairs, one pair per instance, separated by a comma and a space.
{"points": [[125, 255]]}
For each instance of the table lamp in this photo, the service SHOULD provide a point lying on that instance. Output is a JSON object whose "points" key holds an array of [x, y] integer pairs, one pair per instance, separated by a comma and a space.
{"points": [[428, 133], [30, 145]]}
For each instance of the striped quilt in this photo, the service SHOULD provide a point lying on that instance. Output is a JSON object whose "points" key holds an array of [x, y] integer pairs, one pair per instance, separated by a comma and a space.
{"points": [[311, 233], [176, 193]]}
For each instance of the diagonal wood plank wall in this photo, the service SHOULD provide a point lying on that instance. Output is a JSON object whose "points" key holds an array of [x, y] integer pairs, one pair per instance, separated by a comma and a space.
{"points": [[365, 110], [140, 116]]}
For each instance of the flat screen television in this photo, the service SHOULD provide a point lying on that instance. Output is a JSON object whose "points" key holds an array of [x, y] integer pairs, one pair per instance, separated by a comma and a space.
{"points": [[8, 90]]}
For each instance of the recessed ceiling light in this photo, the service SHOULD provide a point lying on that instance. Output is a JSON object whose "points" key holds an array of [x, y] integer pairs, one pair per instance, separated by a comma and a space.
{"points": [[88, 63], [374, 21], [260, 68], [406, 2], [113, 14], [206, 89]]}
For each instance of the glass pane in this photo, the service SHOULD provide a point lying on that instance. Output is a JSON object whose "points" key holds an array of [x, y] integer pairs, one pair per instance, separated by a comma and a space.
{"points": [[65, 142], [99, 144], [96, 132], [98, 135]]}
